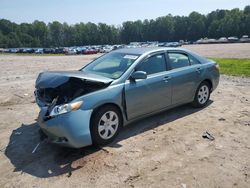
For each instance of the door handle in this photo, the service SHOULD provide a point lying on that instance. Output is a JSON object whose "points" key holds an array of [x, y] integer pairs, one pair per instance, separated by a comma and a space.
{"points": [[198, 70], [166, 78]]}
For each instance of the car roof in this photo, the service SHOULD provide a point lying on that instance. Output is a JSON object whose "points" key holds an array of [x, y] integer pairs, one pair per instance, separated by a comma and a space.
{"points": [[143, 50], [148, 50]]}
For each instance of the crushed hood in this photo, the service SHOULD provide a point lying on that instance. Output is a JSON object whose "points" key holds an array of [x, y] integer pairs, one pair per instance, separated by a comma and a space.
{"points": [[53, 79], [66, 86]]}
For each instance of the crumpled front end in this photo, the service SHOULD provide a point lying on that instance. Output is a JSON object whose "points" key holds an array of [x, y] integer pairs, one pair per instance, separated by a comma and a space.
{"points": [[66, 86], [69, 129], [62, 120]]}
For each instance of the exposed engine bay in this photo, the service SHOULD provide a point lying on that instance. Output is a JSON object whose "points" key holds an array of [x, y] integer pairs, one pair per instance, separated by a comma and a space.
{"points": [[64, 88]]}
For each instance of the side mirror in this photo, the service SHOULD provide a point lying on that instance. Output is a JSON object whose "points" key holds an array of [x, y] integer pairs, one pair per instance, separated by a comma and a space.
{"points": [[139, 75]]}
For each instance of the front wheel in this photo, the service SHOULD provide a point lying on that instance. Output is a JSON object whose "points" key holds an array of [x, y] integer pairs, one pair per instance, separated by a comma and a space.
{"points": [[202, 95], [105, 125]]}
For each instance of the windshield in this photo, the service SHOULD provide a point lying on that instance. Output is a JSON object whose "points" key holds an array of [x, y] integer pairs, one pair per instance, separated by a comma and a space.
{"points": [[111, 65]]}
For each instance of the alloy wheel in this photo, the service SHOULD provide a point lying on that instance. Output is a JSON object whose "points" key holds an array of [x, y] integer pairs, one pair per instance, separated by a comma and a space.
{"points": [[108, 125], [203, 94]]}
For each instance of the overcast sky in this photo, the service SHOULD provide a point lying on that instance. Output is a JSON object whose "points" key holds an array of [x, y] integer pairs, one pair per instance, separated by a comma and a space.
{"points": [[107, 11]]}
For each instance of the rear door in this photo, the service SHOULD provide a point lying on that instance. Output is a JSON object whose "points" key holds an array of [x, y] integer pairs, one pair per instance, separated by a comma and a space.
{"points": [[150, 94], [185, 74]]}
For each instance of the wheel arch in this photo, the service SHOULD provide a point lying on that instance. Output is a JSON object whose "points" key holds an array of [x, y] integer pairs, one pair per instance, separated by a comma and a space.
{"points": [[107, 104], [209, 82]]}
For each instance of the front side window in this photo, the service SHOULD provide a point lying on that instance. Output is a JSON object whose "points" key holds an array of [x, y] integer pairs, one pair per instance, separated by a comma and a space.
{"points": [[111, 65], [178, 60], [153, 64]]}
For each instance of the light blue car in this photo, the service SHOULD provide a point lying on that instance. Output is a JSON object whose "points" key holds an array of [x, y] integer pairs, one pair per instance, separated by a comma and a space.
{"points": [[89, 106]]}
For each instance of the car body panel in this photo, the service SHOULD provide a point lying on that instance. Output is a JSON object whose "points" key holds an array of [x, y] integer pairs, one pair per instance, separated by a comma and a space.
{"points": [[73, 126], [184, 79], [156, 95]]}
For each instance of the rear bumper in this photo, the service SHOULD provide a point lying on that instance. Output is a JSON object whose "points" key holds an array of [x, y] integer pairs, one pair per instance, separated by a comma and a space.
{"points": [[70, 129]]}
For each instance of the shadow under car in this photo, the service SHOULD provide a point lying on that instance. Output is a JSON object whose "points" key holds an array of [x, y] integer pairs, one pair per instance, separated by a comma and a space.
{"points": [[51, 160]]}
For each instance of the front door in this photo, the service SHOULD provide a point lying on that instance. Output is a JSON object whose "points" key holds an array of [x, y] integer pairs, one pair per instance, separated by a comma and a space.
{"points": [[150, 94]]}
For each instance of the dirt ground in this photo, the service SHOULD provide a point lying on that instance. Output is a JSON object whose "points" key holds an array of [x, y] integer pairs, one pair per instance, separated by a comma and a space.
{"points": [[235, 50], [165, 150]]}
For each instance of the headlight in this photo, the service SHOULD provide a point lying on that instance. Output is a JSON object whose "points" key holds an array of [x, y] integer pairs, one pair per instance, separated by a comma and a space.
{"points": [[65, 108]]}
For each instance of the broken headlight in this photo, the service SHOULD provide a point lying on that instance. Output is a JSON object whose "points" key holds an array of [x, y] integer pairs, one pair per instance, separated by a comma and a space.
{"points": [[65, 108]]}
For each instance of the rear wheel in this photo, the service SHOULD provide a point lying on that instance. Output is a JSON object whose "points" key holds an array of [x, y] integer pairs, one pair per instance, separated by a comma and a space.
{"points": [[202, 95], [105, 125]]}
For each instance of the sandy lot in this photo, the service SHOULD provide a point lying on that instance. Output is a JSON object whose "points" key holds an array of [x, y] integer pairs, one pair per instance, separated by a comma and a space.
{"points": [[237, 50], [165, 150]]}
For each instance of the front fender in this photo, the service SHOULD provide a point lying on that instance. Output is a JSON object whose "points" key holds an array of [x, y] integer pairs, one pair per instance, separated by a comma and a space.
{"points": [[111, 94]]}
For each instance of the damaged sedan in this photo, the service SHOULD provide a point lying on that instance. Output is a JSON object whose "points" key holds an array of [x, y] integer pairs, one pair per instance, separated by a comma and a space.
{"points": [[89, 106]]}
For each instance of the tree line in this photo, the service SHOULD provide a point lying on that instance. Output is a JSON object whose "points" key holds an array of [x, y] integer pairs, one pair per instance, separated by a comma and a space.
{"points": [[216, 24]]}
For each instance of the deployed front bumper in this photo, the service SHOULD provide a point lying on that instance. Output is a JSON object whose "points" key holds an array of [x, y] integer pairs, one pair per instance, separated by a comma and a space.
{"points": [[69, 129]]}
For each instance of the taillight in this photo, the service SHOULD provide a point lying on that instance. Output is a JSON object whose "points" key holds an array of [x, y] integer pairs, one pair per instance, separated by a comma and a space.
{"points": [[217, 67]]}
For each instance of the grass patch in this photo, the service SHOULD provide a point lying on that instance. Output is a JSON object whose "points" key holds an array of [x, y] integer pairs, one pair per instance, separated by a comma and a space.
{"points": [[235, 67]]}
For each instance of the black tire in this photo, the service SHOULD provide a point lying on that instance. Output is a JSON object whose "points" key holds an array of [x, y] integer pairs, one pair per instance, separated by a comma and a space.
{"points": [[198, 102], [96, 119]]}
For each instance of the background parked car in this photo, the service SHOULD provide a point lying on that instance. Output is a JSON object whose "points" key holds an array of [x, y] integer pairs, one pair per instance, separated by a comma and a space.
{"points": [[70, 51], [90, 51], [245, 38], [223, 40], [39, 51], [49, 50], [233, 39]]}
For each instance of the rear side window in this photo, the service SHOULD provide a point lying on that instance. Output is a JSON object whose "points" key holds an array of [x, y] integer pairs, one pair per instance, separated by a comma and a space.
{"points": [[153, 64], [193, 61], [178, 60]]}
